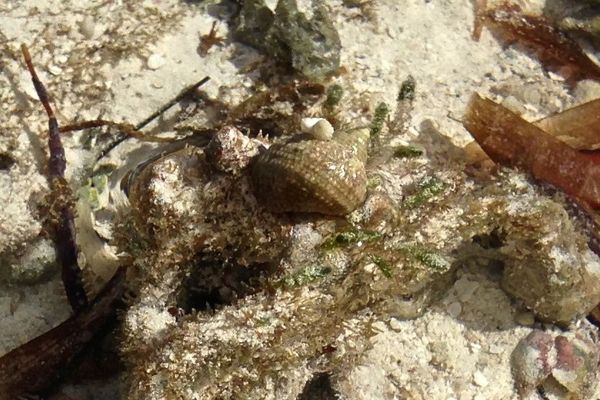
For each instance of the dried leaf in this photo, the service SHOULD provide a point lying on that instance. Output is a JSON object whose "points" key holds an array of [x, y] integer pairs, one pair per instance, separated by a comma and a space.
{"points": [[478, 162], [579, 127], [479, 20], [510, 140]]}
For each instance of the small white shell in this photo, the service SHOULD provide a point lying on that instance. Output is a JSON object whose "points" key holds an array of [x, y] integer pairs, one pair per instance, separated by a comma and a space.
{"points": [[318, 128]]}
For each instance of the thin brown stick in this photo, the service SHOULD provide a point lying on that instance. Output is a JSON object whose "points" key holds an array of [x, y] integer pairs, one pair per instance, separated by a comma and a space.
{"points": [[128, 130], [124, 128], [171, 103]]}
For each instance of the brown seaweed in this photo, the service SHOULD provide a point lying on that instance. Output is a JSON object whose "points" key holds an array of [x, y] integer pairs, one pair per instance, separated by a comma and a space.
{"points": [[36, 365], [209, 40], [555, 50]]}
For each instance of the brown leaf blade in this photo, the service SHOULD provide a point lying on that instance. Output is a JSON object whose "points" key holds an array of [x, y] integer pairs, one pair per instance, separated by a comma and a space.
{"points": [[579, 127], [510, 140], [36, 365]]}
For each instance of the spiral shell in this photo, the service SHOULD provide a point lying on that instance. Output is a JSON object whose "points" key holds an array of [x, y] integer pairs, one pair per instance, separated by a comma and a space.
{"points": [[326, 177]]}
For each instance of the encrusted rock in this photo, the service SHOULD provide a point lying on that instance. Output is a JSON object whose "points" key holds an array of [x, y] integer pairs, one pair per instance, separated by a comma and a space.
{"points": [[230, 151], [311, 45], [562, 366], [561, 286], [194, 222], [37, 263], [180, 203]]}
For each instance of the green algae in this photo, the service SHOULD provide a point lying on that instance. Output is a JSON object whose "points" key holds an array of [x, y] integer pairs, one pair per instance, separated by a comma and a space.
{"points": [[427, 189]]}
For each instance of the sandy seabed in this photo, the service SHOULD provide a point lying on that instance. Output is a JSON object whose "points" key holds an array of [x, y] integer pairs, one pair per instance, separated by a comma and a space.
{"points": [[122, 61]]}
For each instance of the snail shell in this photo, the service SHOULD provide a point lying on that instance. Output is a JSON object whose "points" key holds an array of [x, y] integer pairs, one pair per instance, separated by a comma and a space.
{"points": [[326, 177]]}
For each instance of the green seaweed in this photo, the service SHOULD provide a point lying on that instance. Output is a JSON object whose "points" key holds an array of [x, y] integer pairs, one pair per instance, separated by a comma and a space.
{"points": [[427, 257], [407, 152], [307, 275], [90, 194], [92, 189], [383, 265], [381, 112], [427, 188], [100, 182], [334, 95], [344, 239]]}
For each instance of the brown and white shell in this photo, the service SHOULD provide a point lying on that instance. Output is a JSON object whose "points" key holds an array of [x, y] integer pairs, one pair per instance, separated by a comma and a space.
{"points": [[315, 176]]}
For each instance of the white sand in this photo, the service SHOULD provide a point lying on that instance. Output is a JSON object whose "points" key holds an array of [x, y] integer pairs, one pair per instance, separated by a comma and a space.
{"points": [[459, 349]]}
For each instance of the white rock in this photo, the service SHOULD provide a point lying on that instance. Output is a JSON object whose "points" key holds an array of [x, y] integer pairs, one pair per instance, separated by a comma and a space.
{"points": [[395, 324], [454, 309], [496, 349], [155, 61], [586, 90], [87, 27], [465, 289], [480, 379], [54, 70], [27, 86]]}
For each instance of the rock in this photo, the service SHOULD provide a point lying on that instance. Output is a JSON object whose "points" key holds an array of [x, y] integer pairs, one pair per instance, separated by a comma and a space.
{"points": [[577, 17], [454, 309], [525, 318], [155, 61], [480, 379], [87, 27], [35, 265], [556, 276], [465, 289], [310, 45], [588, 25], [253, 23], [586, 90], [230, 151], [395, 324], [561, 366]]}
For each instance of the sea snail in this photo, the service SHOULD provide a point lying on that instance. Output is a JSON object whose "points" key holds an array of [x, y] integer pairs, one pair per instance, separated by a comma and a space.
{"points": [[316, 176]]}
